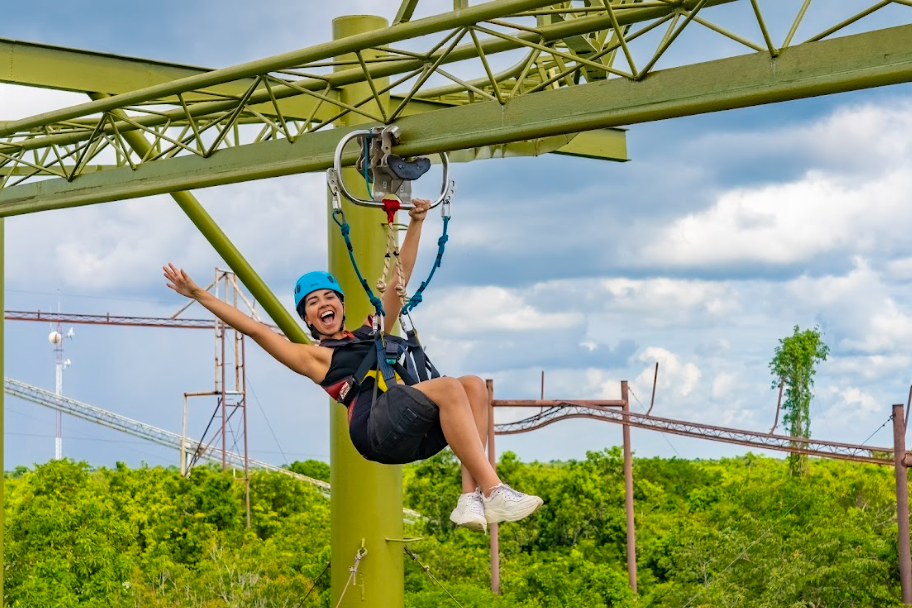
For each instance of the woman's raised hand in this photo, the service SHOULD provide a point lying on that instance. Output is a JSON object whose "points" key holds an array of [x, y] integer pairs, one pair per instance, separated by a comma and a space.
{"points": [[180, 281], [419, 211]]}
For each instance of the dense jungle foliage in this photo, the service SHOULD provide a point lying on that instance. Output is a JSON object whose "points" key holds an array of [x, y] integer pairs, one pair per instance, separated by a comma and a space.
{"points": [[735, 532]]}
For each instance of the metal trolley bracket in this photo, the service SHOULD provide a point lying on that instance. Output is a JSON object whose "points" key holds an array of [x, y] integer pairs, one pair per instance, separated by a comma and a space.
{"points": [[389, 173]]}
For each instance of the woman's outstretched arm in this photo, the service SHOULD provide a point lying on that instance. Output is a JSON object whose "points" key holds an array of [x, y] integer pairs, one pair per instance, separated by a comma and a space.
{"points": [[298, 357]]}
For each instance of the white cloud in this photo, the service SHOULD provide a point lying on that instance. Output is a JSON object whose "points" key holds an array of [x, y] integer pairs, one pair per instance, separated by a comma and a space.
{"points": [[675, 377], [832, 207], [723, 385], [468, 310], [789, 223], [21, 102], [859, 307]]}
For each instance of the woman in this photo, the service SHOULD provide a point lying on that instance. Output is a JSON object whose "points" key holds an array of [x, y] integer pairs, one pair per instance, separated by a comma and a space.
{"points": [[403, 423]]}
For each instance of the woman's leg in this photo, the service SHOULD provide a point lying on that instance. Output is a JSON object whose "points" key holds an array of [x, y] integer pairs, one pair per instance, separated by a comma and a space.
{"points": [[477, 393], [459, 415]]}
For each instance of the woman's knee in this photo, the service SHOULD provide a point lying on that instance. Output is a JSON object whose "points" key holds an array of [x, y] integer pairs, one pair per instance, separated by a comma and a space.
{"points": [[450, 389], [473, 385]]}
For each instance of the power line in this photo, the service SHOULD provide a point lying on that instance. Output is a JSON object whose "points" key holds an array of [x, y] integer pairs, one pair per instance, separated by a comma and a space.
{"points": [[262, 411], [629, 388]]}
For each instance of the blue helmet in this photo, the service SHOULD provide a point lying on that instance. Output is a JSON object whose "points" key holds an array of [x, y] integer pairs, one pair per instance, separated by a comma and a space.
{"points": [[311, 282]]}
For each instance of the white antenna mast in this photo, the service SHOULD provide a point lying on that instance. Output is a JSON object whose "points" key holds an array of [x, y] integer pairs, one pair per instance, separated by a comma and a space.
{"points": [[56, 339]]}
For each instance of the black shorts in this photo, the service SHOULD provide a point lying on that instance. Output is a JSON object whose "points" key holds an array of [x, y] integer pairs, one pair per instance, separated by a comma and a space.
{"points": [[402, 426]]}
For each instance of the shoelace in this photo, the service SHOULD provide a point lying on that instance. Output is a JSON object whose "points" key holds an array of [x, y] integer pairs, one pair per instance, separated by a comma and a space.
{"points": [[508, 493], [472, 502]]}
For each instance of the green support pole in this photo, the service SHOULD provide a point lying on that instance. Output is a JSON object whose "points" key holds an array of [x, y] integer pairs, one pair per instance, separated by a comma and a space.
{"points": [[2, 347], [366, 497]]}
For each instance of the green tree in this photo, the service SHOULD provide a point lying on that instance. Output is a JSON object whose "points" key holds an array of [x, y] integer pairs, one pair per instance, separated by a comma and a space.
{"points": [[794, 363]]}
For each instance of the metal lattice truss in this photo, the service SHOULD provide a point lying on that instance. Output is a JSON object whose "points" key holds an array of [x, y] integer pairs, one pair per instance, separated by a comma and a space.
{"points": [[543, 46], [135, 428], [107, 319], [154, 434], [782, 443]]}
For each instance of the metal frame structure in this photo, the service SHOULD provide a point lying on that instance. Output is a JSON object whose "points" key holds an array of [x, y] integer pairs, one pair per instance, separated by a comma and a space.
{"points": [[228, 401], [547, 75], [117, 422], [551, 411]]}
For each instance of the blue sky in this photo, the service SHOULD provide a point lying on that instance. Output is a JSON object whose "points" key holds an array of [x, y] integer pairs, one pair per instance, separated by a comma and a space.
{"points": [[723, 233]]}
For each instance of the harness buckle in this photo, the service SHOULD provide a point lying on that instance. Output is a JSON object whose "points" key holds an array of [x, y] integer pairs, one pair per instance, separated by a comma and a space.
{"points": [[391, 350]]}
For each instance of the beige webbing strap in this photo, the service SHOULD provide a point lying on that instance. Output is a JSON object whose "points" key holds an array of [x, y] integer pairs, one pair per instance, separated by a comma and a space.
{"points": [[392, 252]]}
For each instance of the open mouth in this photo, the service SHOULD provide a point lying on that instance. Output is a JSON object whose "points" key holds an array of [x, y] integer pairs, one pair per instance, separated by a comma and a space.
{"points": [[328, 317]]}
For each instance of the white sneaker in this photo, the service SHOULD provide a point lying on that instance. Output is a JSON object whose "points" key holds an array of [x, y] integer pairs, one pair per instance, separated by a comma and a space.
{"points": [[506, 504], [470, 512]]}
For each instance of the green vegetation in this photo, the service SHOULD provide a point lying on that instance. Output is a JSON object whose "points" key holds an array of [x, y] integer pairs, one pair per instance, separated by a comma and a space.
{"points": [[794, 364], [736, 532]]}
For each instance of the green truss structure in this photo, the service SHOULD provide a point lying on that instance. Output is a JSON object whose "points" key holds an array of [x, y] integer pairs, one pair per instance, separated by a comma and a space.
{"points": [[500, 78]]}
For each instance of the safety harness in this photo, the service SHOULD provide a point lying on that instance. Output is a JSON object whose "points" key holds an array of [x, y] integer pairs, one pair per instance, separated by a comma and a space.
{"points": [[393, 359]]}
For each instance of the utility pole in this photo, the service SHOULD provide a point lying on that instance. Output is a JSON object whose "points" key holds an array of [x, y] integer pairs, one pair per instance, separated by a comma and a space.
{"points": [[902, 503], [56, 338]]}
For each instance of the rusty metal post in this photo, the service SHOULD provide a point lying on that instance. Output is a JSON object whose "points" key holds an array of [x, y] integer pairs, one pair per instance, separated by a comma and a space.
{"points": [[655, 380], [902, 503], [492, 458], [778, 405], [183, 448], [243, 376], [628, 495], [224, 398]]}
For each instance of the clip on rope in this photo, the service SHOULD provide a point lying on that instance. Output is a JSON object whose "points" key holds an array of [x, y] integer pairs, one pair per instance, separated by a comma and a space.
{"points": [[353, 571], [427, 570]]}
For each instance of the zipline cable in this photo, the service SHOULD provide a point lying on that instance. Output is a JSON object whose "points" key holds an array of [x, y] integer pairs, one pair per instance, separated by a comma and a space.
{"points": [[886, 422], [427, 570], [262, 411], [743, 553], [316, 580], [629, 388]]}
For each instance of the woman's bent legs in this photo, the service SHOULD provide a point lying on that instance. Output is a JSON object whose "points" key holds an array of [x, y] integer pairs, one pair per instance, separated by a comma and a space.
{"points": [[464, 419]]}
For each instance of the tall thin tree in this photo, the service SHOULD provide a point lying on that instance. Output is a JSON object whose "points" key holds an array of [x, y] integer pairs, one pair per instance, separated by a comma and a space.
{"points": [[794, 363]]}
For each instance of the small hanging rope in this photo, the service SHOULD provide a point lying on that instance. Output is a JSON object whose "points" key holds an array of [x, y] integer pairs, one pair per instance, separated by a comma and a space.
{"points": [[353, 573], [391, 206], [427, 570]]}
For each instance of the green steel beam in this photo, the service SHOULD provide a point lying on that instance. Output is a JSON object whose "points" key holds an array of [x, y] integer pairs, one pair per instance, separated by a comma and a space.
{"points": [[81, 71], [2, 406], [389, 35], [430, 25], [843, 64], [367, 497], [45, 66], [405, 12]]}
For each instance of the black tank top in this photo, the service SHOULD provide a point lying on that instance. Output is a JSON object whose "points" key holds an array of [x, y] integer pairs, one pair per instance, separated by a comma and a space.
{"points": [[348, 353], [347, 358]]}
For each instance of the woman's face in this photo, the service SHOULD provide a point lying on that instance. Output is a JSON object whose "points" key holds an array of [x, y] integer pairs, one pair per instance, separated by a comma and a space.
{"points": [[323, 309]]}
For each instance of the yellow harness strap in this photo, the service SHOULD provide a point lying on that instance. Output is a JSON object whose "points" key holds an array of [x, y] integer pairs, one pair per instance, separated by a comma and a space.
{"points": [[381, 383]]}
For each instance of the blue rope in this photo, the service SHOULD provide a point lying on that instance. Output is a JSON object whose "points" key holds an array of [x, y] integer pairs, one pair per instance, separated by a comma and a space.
{"points": [[417, 298], [346, 229]]}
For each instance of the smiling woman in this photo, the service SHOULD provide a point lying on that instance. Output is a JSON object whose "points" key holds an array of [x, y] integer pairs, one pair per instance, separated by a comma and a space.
{"points": [[409, 420]]}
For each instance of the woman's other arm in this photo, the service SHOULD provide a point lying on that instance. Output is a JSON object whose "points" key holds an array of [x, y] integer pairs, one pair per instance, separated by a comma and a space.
{"points": [[300, 358]]}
